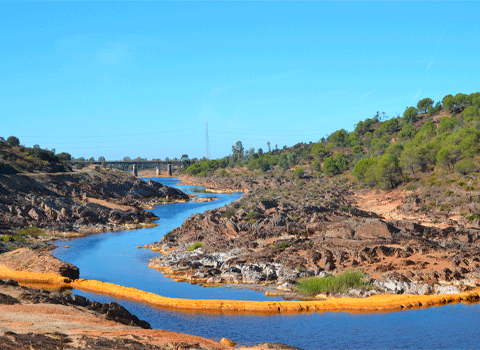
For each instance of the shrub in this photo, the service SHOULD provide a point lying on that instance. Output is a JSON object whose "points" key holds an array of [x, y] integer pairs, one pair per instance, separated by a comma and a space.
{"points": [[281, 245], [330, 167], [195, 246], [253, 214], [298, 173], [338, 284], [32, 230], [316, 166], [229, 213], [198, 189]]}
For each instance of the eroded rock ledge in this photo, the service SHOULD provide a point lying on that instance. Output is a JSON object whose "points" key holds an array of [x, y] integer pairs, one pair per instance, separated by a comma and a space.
{"points": [[83, 202], [276, 234]]}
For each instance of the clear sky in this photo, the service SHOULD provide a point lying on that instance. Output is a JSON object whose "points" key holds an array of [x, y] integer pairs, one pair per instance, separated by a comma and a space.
{"points": [[142, 78]]}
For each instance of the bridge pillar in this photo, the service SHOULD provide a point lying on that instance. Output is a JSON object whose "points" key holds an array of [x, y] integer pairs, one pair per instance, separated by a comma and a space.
{"points": [[169, 169], [134, 172], [158, 170]]}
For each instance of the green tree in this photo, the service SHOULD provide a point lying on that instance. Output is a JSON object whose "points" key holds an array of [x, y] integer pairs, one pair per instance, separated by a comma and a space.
{"points": [[362, 170], [445, 124], [449, 155], [395, 149], [461, 100], [410, 115], [434, 110], [341, 162], [390, 126], [388, 172], [283, 161], [465, 166], [424, 105], [448, 103], [318, 150], [407, 132], [13, 141], [470, 114], [357, 149], [237, 151], [316, 165], [185, 161], [64, 156], [414, 158], [339, 138]]}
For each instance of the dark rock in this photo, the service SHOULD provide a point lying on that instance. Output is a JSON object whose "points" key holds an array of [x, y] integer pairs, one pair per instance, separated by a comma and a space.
{"points": [[8, 300]]}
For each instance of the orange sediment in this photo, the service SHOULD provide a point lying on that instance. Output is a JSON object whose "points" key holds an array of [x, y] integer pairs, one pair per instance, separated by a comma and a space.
{"points": [[34, 277], [384, 302]]}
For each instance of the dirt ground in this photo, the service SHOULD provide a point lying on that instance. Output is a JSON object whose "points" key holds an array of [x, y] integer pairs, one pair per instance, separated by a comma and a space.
{"points": [[77, 322]]}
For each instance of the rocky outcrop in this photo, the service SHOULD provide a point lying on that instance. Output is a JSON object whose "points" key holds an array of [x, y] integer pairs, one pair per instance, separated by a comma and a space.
{"points": [[60, 202], [38, 261], [111, 311]]}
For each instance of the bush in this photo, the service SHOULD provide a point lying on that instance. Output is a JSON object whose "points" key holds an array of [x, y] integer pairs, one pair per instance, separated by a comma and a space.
{"points": [[281, 245], [330, 167], [336, 284], [195, 246], [198, 189], [316, 166], [32, 230], [8, 238], [229, 213], [465, 166], [298, 173]]}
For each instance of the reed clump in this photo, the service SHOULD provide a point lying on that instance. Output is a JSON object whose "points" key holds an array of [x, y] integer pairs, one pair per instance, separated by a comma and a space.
{"points": [[340, 283]]}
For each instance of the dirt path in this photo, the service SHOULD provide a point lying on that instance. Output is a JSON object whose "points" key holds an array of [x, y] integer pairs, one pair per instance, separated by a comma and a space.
{"points": [[386, 203], [110, 204]]}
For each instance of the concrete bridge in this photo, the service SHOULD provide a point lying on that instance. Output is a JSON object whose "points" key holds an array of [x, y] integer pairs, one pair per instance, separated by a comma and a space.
{"points": [[169, 165]]}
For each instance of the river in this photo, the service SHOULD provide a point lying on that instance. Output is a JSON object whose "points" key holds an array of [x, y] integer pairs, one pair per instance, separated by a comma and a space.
{"points": [[114, 257]]}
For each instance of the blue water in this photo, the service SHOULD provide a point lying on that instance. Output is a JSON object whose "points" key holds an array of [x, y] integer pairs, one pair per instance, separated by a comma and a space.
{"points": [[113, 257]]}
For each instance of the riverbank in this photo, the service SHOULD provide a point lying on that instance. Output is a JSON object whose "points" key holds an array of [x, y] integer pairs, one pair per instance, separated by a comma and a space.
{"points": [[385, 302]]}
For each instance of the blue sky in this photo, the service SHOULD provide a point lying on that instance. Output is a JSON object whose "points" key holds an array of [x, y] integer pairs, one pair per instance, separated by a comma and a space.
{"points": [[142, 78]]}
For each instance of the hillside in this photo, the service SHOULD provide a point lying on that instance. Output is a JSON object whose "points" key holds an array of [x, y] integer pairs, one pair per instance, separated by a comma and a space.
{"points": [[15, 158]]}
